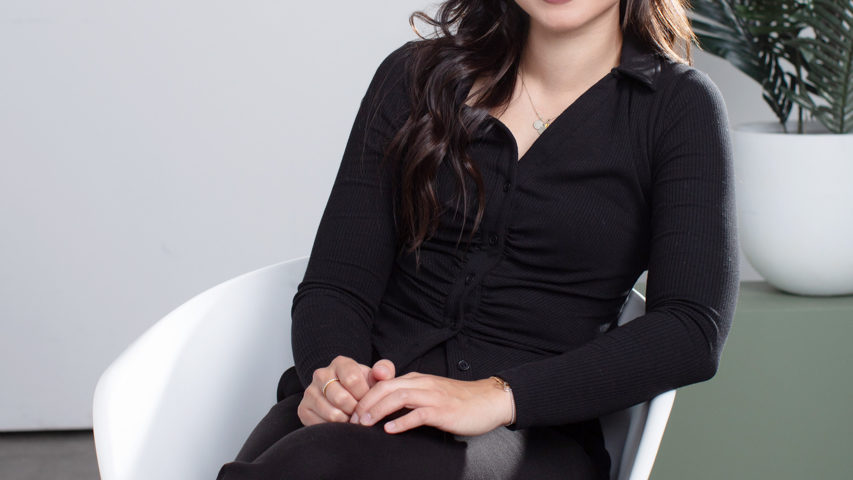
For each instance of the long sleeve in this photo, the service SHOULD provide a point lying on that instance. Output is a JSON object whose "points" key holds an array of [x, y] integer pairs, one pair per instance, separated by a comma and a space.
{"points": [[355, 244], [692, 278]]}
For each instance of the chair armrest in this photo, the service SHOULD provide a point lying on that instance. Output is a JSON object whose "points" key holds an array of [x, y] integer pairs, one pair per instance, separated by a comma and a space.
{"points": [[182, 398]]}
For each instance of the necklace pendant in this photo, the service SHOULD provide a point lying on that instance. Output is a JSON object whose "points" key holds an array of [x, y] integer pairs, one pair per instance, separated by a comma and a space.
{"points": [[540, 126]]}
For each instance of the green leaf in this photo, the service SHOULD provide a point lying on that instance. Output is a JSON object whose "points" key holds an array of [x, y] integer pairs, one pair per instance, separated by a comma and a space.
{"points": [[755, 35], [740, 32]]}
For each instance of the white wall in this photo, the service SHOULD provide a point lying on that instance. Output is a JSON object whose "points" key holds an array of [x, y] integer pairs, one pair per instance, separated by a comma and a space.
{"points": [[153, 149], [150, 150]]}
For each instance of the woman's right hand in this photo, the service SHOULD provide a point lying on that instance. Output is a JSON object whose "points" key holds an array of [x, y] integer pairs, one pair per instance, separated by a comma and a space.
{"points": [[342, 396]]}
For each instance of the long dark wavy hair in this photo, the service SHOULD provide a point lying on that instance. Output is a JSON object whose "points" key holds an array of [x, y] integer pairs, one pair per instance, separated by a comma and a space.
{"points": [[481, 39]]}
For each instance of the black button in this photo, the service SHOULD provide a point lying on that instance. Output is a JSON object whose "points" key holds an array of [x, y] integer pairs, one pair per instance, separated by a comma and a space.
{"points": [[468, 278], [506, 186], [463, 365], [493, 239]]}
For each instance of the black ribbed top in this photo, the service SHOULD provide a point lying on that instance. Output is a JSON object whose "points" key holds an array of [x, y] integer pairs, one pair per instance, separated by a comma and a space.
{"points": [[636, 174]]}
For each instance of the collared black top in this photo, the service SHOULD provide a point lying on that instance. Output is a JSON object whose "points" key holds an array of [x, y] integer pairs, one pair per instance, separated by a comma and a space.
{"points": [[635, 175]]}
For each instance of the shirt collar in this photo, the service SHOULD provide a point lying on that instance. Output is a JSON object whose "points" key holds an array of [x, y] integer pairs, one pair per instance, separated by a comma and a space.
{"points": [[638, 60]]}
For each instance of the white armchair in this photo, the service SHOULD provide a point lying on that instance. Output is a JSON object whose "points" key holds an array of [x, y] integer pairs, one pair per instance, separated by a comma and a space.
{"points": [[180, 401]]}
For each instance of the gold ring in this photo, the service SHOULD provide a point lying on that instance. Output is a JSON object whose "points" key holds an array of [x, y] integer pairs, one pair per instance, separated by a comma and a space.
{"points": [[327, 384]]}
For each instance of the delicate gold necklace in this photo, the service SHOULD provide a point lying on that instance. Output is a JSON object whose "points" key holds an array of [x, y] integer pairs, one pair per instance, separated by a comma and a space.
{"points": [[540, 124]]}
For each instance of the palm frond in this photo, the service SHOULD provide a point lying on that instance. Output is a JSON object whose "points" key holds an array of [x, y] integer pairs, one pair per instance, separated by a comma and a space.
{"points": [[747, 33], [830, 62]]}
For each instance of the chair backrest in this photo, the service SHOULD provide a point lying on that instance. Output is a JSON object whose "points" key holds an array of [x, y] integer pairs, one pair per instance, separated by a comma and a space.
{"points": [[181, 400]]}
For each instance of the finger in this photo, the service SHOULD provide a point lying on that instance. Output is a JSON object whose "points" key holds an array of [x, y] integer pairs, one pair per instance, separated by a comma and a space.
{"points": [[330, 413], [318, 403], [352, 378], [308, 416], [321, 381], [382, 370], [413, 419], [378, 391], [401, 398], [341, 398], [321, 376], [368, 377], [306, 413], [325, 380]]}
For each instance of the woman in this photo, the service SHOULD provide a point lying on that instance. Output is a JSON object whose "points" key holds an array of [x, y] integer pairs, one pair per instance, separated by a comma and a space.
{"points": [[572, 148]]}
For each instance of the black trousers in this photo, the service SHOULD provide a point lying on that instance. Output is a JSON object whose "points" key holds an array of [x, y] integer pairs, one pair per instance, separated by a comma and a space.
{"points": [[281, 448]]}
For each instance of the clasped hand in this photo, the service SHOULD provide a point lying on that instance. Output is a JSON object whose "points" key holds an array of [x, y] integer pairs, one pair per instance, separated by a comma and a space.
{"points": [[366, 395]]}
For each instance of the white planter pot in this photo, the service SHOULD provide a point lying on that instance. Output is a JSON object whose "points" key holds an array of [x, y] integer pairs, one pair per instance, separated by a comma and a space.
{"points": [[795, 206]]}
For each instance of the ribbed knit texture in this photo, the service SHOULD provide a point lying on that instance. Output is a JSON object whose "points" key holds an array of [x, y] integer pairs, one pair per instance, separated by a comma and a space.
{"points": [[635, 175]]}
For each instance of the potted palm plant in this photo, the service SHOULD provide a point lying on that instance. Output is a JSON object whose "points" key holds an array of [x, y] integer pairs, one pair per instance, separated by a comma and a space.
{"points": [[794, 195]]}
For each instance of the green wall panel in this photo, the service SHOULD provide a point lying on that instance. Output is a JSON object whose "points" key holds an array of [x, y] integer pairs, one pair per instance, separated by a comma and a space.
{"points": [[781, 403]]}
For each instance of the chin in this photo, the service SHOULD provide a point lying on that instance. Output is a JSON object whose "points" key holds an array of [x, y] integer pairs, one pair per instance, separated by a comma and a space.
{"points": [[562, 24], [569, 16]]}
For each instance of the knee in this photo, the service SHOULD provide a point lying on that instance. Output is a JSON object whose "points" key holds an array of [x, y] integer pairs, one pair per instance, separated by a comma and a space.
{"points": [[326, 450]]}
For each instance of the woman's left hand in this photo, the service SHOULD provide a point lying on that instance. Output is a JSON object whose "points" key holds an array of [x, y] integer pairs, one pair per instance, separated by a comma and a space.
{"points": [[456, 406]]}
